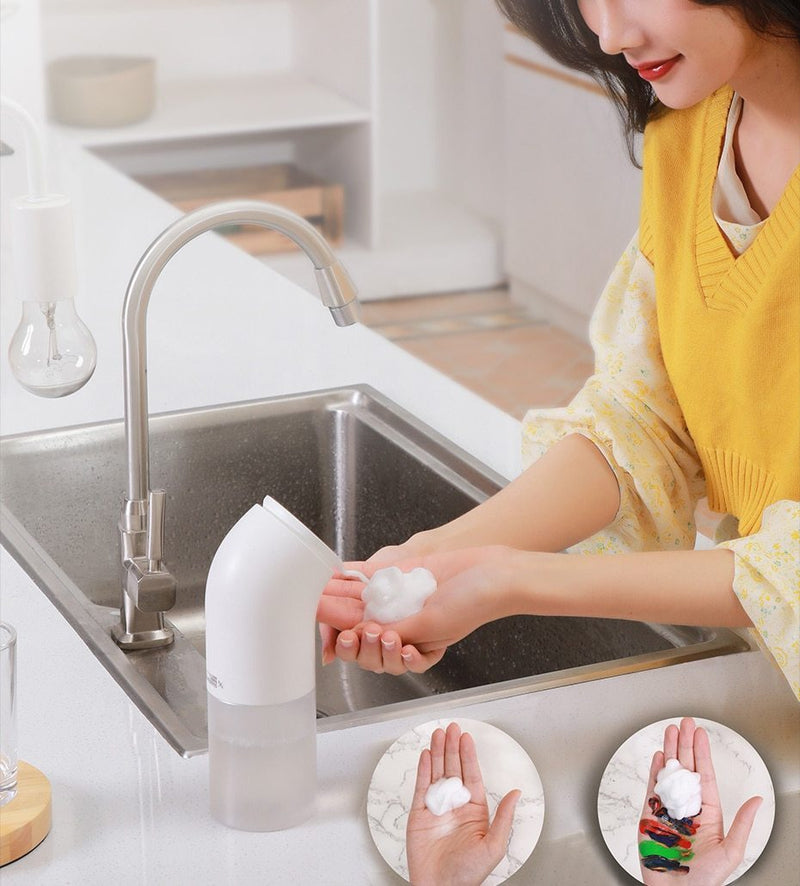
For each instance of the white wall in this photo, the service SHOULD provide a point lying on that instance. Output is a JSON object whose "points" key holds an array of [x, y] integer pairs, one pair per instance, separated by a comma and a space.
{"points": [[440, 100], [20, 80], [572, 195], [470, 110], [21, 53], [334, 44], [407, 95], [230, 39]]}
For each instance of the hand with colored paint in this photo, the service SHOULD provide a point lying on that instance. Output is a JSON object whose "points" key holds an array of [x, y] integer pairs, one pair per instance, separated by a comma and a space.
{"points": [[460, 847], [695, 847]]}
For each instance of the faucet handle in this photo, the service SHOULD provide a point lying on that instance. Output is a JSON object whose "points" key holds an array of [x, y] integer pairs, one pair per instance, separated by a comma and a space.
{"points": [[156, 500], [149, 585]]}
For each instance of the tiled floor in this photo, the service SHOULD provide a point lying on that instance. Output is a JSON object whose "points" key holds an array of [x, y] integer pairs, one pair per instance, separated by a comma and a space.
{"points": [[488, 344]]}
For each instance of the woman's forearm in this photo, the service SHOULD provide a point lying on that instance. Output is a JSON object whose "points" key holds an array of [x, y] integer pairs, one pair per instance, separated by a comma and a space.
{"points": [[674, 587], [567, 495]]}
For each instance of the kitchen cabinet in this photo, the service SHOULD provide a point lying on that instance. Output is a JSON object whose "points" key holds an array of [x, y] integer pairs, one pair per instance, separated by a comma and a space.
{"points": [[373, 95], [572, 193]]}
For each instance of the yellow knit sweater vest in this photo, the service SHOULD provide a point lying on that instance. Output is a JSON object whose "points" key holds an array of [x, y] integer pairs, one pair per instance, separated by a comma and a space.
{"points": [[729, 327]]}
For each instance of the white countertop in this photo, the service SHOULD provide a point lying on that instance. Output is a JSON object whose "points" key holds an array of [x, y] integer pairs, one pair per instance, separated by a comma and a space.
{"points": [[126, 807]]}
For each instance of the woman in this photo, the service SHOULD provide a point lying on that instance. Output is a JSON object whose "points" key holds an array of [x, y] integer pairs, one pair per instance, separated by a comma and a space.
{"points": [[697, 342]]}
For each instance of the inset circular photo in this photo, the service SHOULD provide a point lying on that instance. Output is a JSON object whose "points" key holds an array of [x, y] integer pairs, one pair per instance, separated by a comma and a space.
{"points": [[504, 765], [631, 812]]}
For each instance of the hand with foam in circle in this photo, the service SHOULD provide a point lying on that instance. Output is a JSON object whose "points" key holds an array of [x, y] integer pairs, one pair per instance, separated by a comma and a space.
{"points": [[459, 846], [690, 844]]}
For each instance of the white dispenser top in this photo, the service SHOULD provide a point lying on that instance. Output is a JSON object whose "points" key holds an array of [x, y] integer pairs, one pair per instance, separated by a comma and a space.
{"points": [[261, 601], [304, 534]]}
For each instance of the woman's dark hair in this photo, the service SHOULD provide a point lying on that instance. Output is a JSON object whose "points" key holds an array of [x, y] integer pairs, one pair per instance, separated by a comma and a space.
{"points": [[558, 27]]}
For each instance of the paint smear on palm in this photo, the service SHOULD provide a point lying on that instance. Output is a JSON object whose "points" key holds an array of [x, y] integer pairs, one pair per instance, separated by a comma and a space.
{"points": [[668, 848]]}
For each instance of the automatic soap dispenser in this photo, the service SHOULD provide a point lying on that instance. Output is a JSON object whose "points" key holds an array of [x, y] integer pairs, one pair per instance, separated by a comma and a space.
{"points": [[261, 597]]}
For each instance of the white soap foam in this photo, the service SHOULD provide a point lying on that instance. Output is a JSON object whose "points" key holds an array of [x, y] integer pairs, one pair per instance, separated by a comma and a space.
{"points": [[392, 594], [446, 794], [679, 790]]}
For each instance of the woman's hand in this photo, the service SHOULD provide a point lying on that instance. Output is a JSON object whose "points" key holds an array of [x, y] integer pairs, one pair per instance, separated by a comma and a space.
{"points": [[459, 848], [341, 608], [469, 593], [696, 847], [346, 635]]}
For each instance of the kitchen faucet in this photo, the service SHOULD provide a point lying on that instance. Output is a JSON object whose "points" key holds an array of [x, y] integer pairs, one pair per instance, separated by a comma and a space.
{"points": [[148, 588]]}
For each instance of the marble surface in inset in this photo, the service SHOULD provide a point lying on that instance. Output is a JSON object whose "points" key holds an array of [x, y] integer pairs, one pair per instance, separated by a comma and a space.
{"points": [[504, 766], [740, 772]]}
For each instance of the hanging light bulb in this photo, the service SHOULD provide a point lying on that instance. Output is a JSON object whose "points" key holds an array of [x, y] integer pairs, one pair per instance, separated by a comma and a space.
{"points": [[52, 353]]}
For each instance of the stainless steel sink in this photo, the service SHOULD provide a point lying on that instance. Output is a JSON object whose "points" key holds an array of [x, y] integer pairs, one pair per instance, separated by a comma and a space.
{"points": [[361, 473]]}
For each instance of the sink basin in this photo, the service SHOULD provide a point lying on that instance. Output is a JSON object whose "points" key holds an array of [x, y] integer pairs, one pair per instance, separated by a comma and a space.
{"points": [[356, 469]]}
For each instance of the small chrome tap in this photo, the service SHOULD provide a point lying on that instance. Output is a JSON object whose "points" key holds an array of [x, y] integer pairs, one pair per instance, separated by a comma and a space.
{"points": [[148, 588]]}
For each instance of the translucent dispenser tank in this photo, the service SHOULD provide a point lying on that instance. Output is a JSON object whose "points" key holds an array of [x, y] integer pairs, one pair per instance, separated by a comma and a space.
{"points": [[261, 598]]}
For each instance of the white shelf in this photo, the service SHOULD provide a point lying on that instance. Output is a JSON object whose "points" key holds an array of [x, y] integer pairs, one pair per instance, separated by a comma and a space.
{"points": [[267, 84], [187, 109]]}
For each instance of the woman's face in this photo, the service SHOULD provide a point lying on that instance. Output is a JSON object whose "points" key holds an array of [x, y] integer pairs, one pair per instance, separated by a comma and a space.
{"points": [[683, 49]]}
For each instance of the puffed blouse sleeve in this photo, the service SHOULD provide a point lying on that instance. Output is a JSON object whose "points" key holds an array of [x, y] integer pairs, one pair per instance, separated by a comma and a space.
{"points": [[629, 410], [767, 582]]}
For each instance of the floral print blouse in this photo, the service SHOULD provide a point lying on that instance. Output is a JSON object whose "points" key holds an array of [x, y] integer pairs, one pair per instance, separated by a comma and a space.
{"points": [[629, 410]]}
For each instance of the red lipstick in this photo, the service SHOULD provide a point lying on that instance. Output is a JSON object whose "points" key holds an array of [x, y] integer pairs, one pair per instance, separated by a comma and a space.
{"points": [[656, 70]]}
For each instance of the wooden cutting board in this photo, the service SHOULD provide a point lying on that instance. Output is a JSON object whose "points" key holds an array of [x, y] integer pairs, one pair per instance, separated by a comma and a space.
{"points": [[25, 821]]}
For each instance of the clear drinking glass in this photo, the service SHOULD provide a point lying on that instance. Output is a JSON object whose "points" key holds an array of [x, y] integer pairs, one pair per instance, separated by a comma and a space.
{"points": [[8, 713]]}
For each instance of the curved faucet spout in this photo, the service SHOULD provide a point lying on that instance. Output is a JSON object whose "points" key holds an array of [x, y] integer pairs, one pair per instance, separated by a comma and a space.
{"points": [[148, 588], [337, 291]]}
